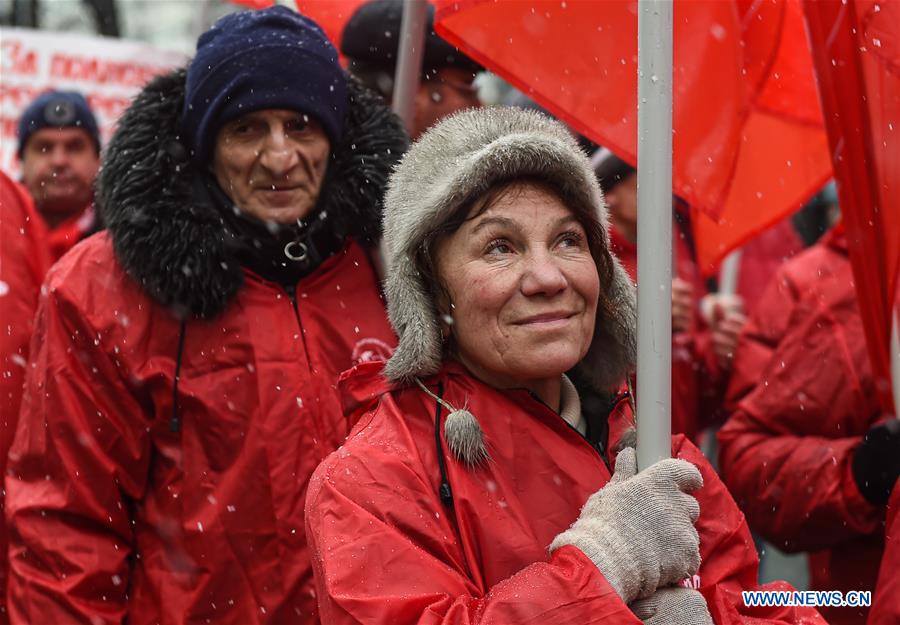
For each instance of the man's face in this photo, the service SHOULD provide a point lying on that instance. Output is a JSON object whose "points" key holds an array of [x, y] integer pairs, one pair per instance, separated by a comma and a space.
{"points": [[58, 169], [449, 91], [271, 164]]}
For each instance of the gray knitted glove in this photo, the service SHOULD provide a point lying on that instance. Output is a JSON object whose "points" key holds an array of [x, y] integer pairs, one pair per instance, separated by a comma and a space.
{"points": [[639, 528], [673, 606]]}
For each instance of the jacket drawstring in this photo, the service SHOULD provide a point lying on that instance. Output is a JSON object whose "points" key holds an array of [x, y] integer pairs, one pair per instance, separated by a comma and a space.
{"points": [[174, 422], [444, 491]]}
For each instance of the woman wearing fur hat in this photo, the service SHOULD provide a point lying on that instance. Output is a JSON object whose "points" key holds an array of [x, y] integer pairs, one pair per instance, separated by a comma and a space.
{"points": [[473, 489], [182, 389]]}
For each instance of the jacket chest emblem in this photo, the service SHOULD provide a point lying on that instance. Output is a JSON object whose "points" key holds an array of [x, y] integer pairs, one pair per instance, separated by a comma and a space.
{"points": [[370, 350]]}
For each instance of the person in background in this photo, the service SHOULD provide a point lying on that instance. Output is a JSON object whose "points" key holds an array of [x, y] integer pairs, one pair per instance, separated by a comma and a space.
{"points": [[59, 149], [24, 259], [370, 42], [698, 376], [807, 451], [474, 488], [725, 314], [181, 389], [818, 215]]}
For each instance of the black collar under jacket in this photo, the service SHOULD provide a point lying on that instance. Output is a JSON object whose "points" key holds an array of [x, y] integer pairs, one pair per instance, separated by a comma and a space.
{"points": [[178, 248], [265, 249]]}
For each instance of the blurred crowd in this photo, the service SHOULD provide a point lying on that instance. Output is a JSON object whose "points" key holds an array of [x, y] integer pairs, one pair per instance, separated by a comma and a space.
{"points": [[182, 305]]}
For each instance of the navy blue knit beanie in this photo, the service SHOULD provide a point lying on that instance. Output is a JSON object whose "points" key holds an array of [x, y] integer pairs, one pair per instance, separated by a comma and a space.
{"points": [[57, 109], [253, 60]]}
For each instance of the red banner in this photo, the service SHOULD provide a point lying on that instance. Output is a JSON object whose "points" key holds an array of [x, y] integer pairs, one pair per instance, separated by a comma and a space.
{"points": [[108, 72]]}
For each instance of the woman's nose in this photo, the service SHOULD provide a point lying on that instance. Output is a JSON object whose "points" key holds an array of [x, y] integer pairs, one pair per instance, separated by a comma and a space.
{"points": [[278, 155], [543, 276]]}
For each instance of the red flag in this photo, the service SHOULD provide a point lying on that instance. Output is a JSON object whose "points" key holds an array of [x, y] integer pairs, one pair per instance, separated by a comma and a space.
{"points": [[331, 15], [749, 142], [856, 47]]}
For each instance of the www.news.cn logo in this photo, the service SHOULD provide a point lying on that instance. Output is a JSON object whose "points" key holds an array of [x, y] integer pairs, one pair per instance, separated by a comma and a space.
{"points": [[807, 598]]}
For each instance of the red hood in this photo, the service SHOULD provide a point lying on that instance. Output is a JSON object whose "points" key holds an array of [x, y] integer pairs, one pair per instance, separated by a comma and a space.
{"points": [[359, 389]]}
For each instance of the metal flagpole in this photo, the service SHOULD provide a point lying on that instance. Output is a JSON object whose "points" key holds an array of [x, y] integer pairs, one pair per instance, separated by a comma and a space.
{"points": [[729, 274], [654, 175], [409, 59]]}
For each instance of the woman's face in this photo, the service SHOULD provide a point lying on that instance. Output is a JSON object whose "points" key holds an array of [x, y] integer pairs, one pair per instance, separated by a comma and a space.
{"points": [[523, 288]]}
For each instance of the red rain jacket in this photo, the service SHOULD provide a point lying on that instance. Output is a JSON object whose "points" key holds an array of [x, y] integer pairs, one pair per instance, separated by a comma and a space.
{"points": [[111, 512], [24, 259], [886, 598], [698, 384], [387, 550], [801, 397]]}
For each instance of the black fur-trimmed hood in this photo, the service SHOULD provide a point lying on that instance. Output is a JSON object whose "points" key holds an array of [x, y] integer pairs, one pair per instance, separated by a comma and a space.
{"points": [[175, 246]]}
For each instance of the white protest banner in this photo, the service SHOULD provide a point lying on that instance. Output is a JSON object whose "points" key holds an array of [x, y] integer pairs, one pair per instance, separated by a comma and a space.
{"points": [[108, 72]]}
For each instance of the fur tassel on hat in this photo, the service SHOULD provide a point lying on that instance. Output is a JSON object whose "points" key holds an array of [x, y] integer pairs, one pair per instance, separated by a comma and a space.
{"points": [[453, 164]]}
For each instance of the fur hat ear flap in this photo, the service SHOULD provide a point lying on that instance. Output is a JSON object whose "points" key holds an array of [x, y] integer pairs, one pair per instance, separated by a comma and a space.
{"points": [[410, 310], [462, 431], [613, 350]]}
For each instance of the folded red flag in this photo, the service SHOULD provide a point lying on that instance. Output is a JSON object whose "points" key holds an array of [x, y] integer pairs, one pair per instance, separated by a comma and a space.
{"points": [[856, 47]]}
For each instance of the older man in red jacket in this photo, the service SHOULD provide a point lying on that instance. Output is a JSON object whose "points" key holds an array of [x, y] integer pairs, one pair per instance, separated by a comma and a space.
{"points": [[807, 452], [182, 389]]}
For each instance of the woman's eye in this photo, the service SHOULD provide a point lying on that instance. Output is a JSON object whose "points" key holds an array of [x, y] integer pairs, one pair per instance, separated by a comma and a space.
{"points": [[498, 246], [571, 239]]}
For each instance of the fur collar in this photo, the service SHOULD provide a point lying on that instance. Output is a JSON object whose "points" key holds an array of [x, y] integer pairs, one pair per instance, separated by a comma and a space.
{"points": [[175, 247]]}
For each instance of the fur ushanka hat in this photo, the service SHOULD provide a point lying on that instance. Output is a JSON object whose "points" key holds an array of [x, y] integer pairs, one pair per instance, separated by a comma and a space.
{"points": [[452, 165]]}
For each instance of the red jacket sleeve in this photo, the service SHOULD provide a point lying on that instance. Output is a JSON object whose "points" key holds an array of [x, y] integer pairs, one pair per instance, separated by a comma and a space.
{"points": [[374, 516], [729, 561], [79, 457], [24, 259], [786, 449], [886, 600]]}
